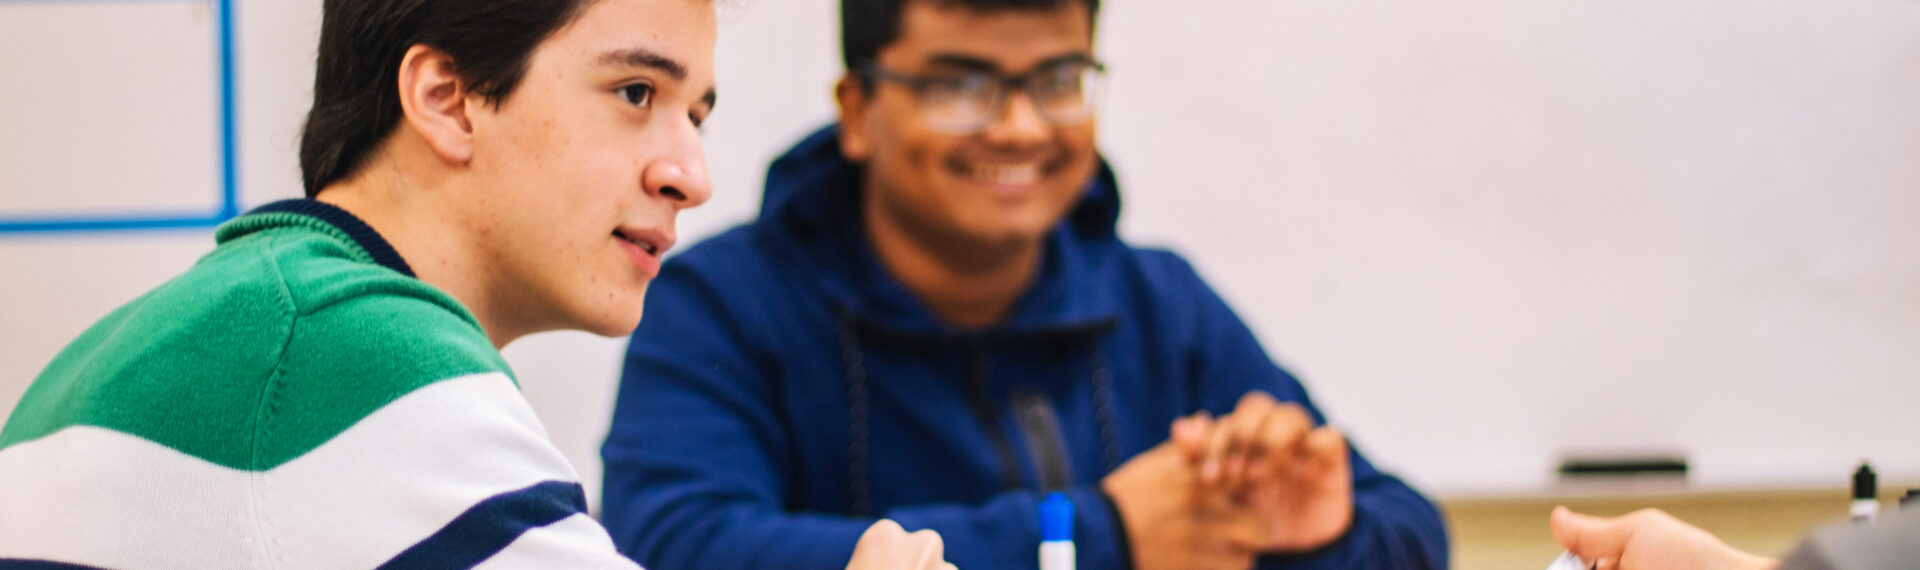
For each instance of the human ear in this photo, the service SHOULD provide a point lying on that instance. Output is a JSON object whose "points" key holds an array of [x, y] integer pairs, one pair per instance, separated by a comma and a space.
{"points": [[433, 101], [852, 97]]}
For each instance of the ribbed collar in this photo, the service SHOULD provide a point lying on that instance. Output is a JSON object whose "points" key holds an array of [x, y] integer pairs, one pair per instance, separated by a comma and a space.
{"points": [[356, 229]]}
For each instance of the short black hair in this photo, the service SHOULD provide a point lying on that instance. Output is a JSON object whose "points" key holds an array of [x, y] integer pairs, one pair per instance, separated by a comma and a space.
{"points": [[356, 103], [866, 26]]}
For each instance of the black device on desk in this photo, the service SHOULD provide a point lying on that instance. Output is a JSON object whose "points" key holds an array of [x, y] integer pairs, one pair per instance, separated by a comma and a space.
{"points": [[1866, 494]]}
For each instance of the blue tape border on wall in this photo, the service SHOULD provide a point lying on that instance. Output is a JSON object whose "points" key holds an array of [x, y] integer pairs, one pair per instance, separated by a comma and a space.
{"points": [[229, 169]]}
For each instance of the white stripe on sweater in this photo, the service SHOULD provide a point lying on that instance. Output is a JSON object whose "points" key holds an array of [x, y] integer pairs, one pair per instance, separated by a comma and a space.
{"points": [[98, 497]]}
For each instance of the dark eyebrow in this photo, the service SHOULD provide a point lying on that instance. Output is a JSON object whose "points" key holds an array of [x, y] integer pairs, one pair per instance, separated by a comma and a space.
{"points": [[638, 57], [975, 63], [966, 62], [1065, 58], [643, 58]]}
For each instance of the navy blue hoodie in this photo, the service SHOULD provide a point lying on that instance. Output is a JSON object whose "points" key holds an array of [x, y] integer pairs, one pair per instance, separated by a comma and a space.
{"points": [[784, 391]]}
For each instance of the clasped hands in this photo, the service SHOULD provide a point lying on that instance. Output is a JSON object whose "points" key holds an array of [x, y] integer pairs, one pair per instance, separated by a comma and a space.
{"points": [[1221, 491]]}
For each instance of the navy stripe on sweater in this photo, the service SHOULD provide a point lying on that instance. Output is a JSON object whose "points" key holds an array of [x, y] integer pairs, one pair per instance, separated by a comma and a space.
{"points": [[18, 564], [361, 233], [488, 527]]}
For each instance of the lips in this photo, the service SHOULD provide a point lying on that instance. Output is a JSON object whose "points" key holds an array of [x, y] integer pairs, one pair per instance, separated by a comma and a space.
{"points": [[650, 247], [644, 247], [1005, 173]]}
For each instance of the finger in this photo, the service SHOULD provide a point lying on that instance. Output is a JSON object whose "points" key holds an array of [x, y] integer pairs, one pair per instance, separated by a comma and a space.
{"points": [[1233, 436], [880, 546], [1282, 438], [1591, 538], [882, 529], [928, 548], [1323, 450], [1189, 435], [1225, 443], [1218, 441], [1256, 399], [1567, 527], [1251, 448]]}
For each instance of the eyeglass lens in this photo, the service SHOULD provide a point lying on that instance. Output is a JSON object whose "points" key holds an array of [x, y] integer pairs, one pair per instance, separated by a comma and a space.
{"points": [[1063, 94]]}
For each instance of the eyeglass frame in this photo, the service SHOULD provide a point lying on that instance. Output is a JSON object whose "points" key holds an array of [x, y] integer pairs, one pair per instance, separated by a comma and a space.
{"points": [[1003, 85]]}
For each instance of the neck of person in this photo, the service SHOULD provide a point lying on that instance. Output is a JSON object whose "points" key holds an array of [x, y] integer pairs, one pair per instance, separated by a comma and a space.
{"points": [[417, 211], [966, 283]]}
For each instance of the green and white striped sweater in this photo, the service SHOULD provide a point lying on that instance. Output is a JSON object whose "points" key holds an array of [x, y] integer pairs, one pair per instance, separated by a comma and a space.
{"points": [[296, 400]]}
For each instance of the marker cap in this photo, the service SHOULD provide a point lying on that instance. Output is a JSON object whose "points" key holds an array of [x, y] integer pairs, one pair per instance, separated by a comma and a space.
{"points": [[1056, 518]]}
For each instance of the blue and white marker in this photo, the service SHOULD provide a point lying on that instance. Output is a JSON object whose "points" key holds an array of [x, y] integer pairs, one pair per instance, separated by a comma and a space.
{"points": [[1056, 533]]}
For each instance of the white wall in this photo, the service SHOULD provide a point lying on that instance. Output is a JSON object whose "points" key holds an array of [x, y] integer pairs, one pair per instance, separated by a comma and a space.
{"points": [[1495, 231], [1486, 232]]}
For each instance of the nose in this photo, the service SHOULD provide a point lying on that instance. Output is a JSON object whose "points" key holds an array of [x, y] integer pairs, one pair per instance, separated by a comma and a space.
{"points": [[680, 174], [1020, 123]]}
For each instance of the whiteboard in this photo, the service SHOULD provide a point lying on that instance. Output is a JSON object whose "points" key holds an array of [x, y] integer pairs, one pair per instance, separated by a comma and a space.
{"points": [[1485, 233], [134, 131], [1495, 232]]}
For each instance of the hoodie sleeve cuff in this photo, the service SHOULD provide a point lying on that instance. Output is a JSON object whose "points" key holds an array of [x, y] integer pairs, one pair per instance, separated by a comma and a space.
{"points": [[1105, 527]]}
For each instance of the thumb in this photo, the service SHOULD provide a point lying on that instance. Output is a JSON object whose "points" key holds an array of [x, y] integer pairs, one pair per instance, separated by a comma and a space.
{"points": [[885, 529], [1324, 447], [1591, 538], [931, 549]]}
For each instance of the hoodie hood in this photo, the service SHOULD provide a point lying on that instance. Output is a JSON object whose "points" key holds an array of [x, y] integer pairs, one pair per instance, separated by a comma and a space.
{"points": [[812, 206]]}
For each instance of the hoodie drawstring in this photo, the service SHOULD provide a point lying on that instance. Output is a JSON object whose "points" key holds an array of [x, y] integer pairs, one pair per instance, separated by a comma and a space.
{"points": [[859, 469], [1103, 408], [862, 503]]}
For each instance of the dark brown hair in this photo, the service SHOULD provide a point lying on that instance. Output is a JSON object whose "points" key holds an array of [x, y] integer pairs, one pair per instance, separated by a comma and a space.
{"points": [[866, 26], [356, 99]]}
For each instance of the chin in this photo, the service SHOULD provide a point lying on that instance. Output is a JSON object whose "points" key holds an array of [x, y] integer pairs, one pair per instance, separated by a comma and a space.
{"points": [[612, 326], [1018, 232], [618, 316]]}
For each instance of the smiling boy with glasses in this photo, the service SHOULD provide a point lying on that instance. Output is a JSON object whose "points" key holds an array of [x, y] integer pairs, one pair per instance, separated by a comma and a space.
{"points": [[933, 320]]}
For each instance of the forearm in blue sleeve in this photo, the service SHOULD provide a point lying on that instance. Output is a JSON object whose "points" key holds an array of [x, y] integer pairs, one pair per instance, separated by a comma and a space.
{"points": [[673, 499], [676, 501], [672, 522]]}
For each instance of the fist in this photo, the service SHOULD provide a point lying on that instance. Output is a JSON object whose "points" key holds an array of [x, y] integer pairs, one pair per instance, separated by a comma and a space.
{"points": [[1268, 456], [886, 546], [1647, 539]]}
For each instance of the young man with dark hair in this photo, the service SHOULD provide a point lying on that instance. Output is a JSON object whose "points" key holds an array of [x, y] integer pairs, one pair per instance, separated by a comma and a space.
{"points": [[325, 389], [933, 320]]}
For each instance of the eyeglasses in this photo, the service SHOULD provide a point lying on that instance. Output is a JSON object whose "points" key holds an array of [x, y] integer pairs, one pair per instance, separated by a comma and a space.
{"points": [[1065, 93]]}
